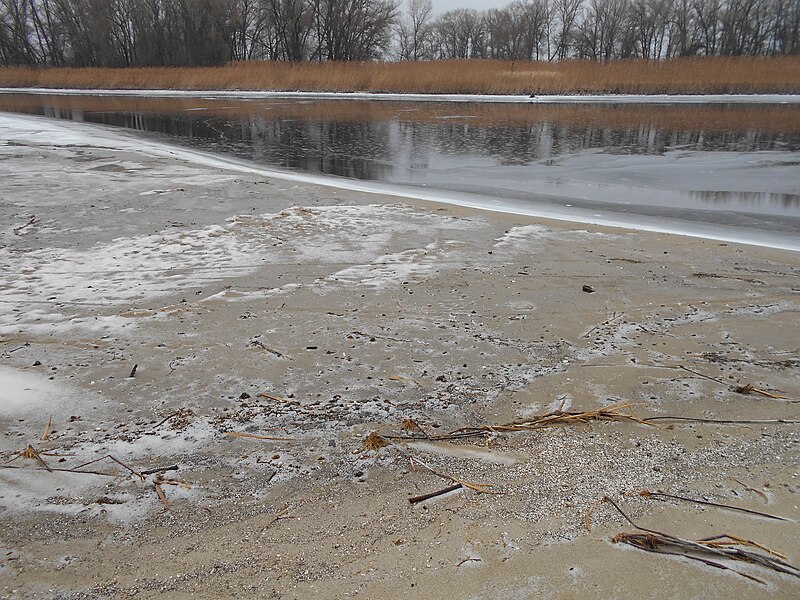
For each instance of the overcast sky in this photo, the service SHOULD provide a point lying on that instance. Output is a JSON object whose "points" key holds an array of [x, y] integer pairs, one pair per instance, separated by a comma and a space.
{"points": [[441, 6]]}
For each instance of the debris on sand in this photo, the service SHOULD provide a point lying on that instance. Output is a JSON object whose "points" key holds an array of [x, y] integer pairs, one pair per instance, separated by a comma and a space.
{"points": [[725, 546]]}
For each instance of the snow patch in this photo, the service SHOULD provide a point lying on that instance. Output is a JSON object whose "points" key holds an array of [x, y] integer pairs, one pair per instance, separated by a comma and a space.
{"points": [[24, 392]]}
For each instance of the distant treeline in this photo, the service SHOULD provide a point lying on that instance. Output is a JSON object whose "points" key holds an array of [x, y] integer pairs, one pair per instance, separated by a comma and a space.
{"points": [[143, 33]]}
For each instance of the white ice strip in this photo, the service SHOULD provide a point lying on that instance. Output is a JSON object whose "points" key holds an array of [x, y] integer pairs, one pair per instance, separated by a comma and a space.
{"points": [[40, 130], [521, 235], [477, 98], [31, 391], [397, 267], [20, 390], [144, 267], [351, 243]]}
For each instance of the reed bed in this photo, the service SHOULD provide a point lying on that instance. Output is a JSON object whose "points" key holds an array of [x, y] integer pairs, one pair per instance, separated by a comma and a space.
{"points": [[708, 118], [679, 76]]}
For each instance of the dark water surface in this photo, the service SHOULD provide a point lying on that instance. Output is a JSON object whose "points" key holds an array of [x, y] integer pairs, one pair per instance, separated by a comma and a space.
{"points": [[733, 165]]}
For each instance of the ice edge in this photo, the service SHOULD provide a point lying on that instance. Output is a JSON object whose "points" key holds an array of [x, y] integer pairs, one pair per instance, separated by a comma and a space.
{"points": [[125, 141], [476, 98]]}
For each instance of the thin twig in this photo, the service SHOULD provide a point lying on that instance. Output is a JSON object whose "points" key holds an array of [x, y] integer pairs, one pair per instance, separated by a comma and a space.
{"points": [[477, 487], [271, 397], [122, 464], [725, 421], [747, 389], [613, 318], [661, 495], [165, 419], [699, 374], [280, 515], [257, 437], [468, 559], [587, 520], [751, 489], [108, 456], [52, 469]]}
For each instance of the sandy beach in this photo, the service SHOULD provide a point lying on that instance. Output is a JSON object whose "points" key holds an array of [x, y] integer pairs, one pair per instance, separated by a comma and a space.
{"points": [[234, 338]]}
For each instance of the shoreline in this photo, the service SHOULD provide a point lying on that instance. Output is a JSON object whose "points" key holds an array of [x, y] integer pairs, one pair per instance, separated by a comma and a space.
{"points": [[754, 98], [586, 216], [274, 325]]}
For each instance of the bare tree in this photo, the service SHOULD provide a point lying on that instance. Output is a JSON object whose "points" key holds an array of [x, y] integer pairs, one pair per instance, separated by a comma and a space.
{"points": [[419, 12], [566, 15], [17, 33], [414, 30], [600, 32], [293, 21], [786, 27], [354, 29], [210, 32], [684, 35], [459, 33], [707, 15]]}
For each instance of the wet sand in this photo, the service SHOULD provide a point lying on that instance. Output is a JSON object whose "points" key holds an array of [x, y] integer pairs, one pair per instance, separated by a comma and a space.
{"points": [[350, 314]]}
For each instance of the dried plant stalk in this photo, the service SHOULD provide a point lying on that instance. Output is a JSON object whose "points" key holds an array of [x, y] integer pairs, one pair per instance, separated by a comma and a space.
{"points": [[707, 550], [619, 411]]}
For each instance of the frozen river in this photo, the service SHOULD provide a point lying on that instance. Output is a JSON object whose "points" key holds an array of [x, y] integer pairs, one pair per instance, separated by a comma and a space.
{"points": [[724, 170]]}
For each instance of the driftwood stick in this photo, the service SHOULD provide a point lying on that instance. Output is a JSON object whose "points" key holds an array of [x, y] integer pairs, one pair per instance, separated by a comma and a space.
{"points": [[25, 345], [159, 470], [271, 397], [165, 419], [18, 230], [161, 495], [747, 389], [428, 496]]}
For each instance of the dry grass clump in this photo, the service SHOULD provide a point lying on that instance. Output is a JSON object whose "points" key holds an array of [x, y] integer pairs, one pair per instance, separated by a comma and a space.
{"points": [[682, 76]]}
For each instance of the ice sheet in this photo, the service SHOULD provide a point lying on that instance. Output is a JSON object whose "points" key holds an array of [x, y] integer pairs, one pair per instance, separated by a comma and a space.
{"points": [[38, 130]]}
